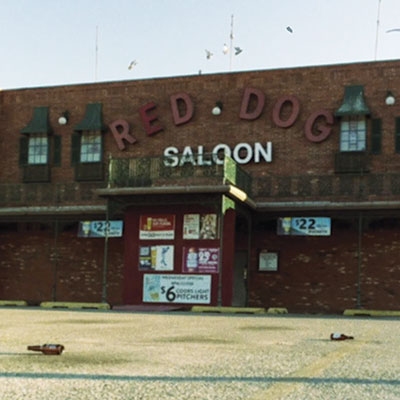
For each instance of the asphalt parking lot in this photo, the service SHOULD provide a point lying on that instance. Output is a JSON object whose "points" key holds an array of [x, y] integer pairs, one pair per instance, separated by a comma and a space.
{"points": [[185, 355]]}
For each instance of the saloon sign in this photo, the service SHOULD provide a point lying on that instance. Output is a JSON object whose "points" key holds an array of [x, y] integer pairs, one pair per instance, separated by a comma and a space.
{"points": [[317, 127]]}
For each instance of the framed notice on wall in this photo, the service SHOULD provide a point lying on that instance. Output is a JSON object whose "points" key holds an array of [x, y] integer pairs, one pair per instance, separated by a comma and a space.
{"points": [[268, 261]]}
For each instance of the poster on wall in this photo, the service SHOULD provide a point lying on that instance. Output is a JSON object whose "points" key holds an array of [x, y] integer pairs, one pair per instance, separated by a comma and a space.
{"points": [[200, 260], [304, 226], [99, 229], [156, 258], [157, 227], [193, 289], [200, 226]]}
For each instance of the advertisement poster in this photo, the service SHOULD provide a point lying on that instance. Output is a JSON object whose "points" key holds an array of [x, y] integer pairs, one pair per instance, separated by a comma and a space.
{"points": [[157, 227], [304, 226], [200, 226], [156, 258], [200, 260], [99, 229], [193, 289], [191, 226]]}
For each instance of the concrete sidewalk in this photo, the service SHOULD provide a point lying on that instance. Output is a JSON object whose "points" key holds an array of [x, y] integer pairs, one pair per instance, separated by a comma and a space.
{"points": [[185, 355]]}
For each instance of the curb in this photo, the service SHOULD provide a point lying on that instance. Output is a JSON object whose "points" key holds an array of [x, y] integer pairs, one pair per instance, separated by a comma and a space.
{"points": [[228, 310], [371, 313], [13, 303], [74, 305], [240, 310]]}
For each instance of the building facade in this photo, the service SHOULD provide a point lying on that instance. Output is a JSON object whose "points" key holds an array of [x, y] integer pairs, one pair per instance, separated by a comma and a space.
{"points": [[276, 188]]}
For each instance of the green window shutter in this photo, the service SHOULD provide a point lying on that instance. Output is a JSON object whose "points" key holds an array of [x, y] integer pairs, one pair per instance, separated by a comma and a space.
{"points": [[397, 135], [75, 148], [57, 150], [23, 150], [376, 136], [102, 149]]}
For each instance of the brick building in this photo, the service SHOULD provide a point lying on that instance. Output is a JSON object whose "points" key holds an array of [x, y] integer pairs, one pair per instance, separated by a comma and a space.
{"points": [[277, 188]]}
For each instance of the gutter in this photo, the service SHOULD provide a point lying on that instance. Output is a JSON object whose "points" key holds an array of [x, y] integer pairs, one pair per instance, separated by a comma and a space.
{"points": [[327, 205], [52, 210]]}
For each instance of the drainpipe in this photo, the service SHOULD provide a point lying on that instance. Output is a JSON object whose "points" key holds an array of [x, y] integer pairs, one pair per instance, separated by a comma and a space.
{"points": [[55, 263], [359, 253], [105, 259]]}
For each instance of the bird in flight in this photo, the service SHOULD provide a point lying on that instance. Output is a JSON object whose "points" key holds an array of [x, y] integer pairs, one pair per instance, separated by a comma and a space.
{"points": [[208, 54], [238, 50], [289, 29], [132, 64]]}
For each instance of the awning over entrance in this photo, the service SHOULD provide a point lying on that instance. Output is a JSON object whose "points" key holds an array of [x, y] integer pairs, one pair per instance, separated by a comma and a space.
{"points": [[354, 102], [39, 123]]}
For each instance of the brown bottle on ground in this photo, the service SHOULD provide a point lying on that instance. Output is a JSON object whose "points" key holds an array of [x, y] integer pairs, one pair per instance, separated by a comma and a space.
{"points": [[340, 336], [48, 349]]}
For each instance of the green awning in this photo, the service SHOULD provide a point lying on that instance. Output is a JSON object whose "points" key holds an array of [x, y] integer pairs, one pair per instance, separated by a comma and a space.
{"points": [[93, 120], [354, 102], [39, 122]]}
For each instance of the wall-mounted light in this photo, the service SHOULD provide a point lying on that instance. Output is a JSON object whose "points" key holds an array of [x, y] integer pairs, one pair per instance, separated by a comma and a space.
{"points": [[390, 99], [217, 108], [63, 119]]}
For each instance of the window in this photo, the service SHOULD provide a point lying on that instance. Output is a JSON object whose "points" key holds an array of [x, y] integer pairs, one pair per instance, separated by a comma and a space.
{"points": [[91, 143], [353, 133], [38, 149]]}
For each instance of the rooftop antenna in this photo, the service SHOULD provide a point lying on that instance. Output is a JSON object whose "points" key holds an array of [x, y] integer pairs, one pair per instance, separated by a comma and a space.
{"points": [[377, 29], [231, 45], [96, 54]]}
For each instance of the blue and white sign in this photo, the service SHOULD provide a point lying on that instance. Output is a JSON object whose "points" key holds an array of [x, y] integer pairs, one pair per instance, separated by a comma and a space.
{"points": [[92, 229], [304, 226], [191, 289]]}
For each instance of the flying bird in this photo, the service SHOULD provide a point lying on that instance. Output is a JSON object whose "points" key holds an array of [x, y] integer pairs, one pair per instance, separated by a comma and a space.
{"points": [[132, 64], [208, 54], [289, 29], [238, 50]]}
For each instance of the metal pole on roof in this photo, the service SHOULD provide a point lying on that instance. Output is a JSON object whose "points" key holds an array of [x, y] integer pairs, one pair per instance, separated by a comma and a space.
{"points": [[96, 54], [377, 29], [231, 44]]}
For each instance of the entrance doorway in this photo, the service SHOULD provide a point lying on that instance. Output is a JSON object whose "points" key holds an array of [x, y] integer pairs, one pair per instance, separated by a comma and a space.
{"points": [[239, 298]]}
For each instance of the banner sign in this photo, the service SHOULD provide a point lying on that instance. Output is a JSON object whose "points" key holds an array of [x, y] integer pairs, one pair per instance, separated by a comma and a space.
{"points": [[96, 229], [200, 259], [304, 226], [157, 227], [193, 289]]}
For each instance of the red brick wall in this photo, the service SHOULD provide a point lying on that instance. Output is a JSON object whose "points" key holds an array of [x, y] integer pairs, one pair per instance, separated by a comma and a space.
{"points": [[33, 262], [316, 88], [320, 274], [316, 274]]}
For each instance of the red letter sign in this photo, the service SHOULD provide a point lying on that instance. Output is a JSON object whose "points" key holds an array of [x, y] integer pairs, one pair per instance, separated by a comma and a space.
{"points": [[148, 120], [122, 135], [324, 131], [182, 98], [276, 113], [244, 109]]}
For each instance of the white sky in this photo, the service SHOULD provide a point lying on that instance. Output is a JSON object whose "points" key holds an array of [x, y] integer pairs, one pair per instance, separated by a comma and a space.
{"points": [[53, 42]]}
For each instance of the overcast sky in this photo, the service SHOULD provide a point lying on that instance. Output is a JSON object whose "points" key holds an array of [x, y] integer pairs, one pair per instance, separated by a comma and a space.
{"points": [[62, 42]]}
